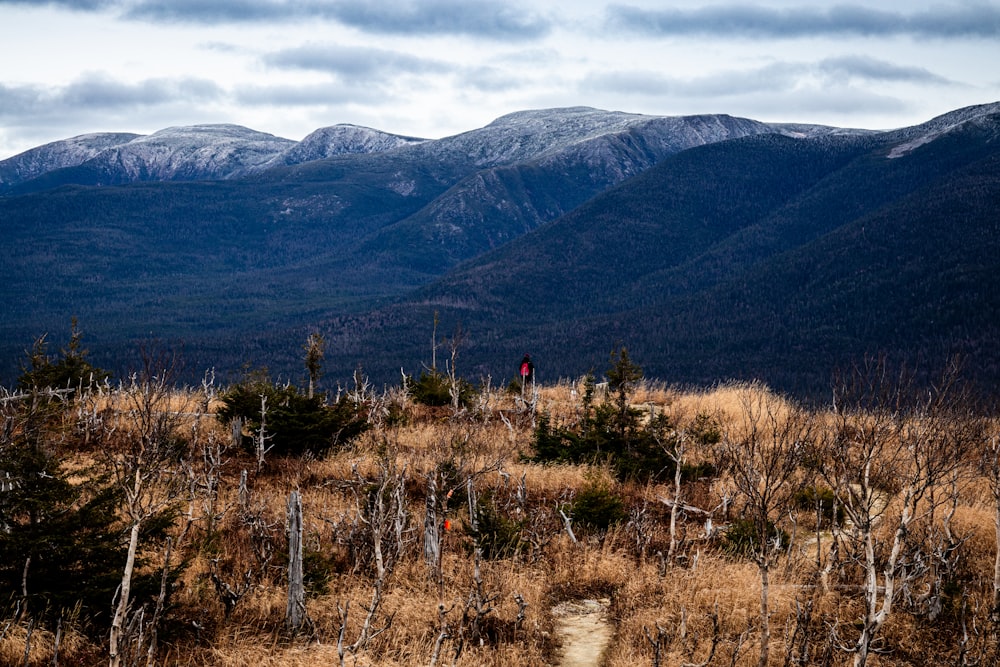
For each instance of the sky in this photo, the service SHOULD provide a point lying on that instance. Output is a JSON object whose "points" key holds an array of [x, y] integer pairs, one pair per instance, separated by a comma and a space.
{"points": [[436, 68]]}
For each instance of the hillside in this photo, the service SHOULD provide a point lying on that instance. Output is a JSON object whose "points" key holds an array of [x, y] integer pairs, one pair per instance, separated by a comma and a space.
{"points": [[58, 155], [379, 530], [763, 257], [228, 264], [713, 247], [198, 152]]}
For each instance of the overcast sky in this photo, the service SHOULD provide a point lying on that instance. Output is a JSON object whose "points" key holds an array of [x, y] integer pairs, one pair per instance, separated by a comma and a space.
{"points": [[439, 67]]}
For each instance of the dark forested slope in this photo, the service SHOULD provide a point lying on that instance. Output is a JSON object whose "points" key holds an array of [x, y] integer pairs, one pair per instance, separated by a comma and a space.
{"points": [[762, 257], [713, 247], [230, 266]]}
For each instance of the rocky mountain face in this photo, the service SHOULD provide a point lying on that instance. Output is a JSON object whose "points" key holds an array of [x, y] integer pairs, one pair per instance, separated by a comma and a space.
{"points": [[960, 120], [212, 152], [532, 167], [197, 152], [57, 155], [556, 230], [341, 139], [192, 153]]}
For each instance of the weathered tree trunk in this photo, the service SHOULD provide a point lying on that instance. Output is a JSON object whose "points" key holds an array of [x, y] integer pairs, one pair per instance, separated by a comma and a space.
{"points": [[675, 508], [262, 434], [57, 642], [993, 474], [121, 610], [295, 613], [315, 347], [160, 602], [244, 491], [765, 612], [432, 541], [23, 606], [763, 451], [875, 615], [236, 432], [140, 458]]}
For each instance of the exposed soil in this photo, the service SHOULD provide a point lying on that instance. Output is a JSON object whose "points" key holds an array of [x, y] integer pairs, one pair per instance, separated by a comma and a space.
{"points": [[583, 628]]}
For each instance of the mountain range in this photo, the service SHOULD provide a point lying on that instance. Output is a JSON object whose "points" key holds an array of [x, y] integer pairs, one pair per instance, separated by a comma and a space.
{"points": [[714, 247]]}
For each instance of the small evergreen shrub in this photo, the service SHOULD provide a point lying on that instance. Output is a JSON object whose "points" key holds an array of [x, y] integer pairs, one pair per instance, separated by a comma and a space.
{"points": [[319, 568], [615, 433], [61, 537], [434, 389], [555, 445], [495, 533], [70, 370], [740, 538], [294, 422], [705, 430], [808, 498], [642, 454], [597, 506]]}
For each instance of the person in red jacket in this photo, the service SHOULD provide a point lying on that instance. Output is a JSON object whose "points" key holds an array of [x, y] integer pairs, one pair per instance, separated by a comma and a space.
{"points": [[527, 372]]}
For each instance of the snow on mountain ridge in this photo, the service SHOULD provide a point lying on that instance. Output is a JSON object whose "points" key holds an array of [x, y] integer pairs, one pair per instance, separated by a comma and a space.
{"points": [[604, 149], [228, 151], [195, 151], [340, 139], [524, 135], [542, 134], [656, 136], [58, 154], [918, 135]]}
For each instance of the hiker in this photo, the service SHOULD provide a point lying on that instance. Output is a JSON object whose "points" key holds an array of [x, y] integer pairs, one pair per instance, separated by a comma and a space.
{"points": [[527, 371]]}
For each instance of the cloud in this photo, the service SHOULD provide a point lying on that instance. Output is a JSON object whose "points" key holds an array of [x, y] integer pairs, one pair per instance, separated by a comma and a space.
{"points": [[872, 69], [314, 95], [757, 22], [491, 79], [768, 79], [352, 63], [368, 68], [837, 101], [493, 19], [219, 11], [82, 5], [16, 101], [99, 93]]}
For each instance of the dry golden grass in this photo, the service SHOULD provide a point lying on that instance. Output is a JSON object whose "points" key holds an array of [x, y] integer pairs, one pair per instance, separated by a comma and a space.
{"points": [[624, 566], [12, 647], [685, 601], [42, 649]]}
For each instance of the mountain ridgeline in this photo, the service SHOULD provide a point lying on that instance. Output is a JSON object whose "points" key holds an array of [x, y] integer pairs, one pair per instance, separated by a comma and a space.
{"points": [[713, 247]]}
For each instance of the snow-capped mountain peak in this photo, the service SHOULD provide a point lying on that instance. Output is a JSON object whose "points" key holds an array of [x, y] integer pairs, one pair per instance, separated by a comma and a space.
{"points": [[195, 151], [919, 135], [341, 139], [59, 154]]}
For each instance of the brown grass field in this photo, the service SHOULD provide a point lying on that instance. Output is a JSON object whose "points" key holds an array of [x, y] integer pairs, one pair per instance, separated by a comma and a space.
{"points": [[703, 607]]}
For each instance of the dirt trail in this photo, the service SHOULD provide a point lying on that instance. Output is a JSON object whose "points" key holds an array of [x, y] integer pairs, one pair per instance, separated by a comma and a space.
{"points": [[584, 631]]}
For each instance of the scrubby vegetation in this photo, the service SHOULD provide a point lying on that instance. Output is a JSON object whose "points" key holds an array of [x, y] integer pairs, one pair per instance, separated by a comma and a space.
{"points": [[727, 526]]}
